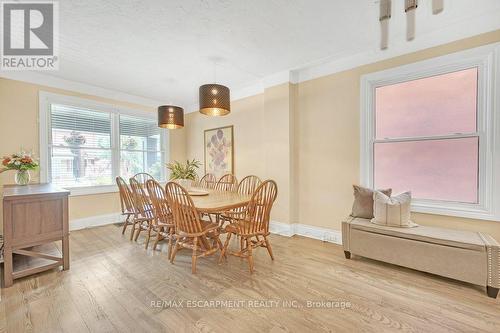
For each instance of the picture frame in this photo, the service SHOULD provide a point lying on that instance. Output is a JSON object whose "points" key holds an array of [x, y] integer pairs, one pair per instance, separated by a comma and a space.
{"points": [[218, 148]]}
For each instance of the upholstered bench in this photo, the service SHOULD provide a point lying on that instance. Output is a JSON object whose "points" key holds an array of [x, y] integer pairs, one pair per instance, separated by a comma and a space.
{"points": [[462, 255]]}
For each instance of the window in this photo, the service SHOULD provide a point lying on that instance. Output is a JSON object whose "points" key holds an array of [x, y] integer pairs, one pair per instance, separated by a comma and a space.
{"points": [[141, 149], [429, 128], [80, 147], [426, 137], [85, 145]]}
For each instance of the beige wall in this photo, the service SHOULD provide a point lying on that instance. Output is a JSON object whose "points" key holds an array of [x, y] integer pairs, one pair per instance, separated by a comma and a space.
{"points": [[247, 119], [314, 127], [19, 129], [329, 144]]}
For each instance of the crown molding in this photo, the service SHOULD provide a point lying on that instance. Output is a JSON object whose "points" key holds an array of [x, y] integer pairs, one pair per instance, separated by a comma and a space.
{"points": [[78, 87]]}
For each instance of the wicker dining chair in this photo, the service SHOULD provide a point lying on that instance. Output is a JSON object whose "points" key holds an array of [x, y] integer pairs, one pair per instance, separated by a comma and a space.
{"points": [[143, 177], [144, 212], [208, 181], [249, 184], [126, 202], [227, 183], [191, 232], [163, 222], [253, 222]]}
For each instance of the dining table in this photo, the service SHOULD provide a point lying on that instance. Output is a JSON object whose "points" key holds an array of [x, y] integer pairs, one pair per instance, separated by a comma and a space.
{"points": [[210, 201]]}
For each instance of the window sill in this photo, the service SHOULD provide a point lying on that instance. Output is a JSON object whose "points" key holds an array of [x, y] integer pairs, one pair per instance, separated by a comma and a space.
{"points": [[91, 190], [469, 211], [94, 190]]}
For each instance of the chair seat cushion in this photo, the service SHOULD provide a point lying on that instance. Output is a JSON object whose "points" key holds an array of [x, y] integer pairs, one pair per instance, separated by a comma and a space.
{"points": [[441, 236]]}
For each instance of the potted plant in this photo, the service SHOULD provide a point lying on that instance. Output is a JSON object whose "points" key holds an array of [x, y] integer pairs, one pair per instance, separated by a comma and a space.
{"points": [[21, 162], [184, 174]]}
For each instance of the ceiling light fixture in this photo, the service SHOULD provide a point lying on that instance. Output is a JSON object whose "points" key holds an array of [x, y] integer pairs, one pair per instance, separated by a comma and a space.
{"points": [[214, 99], [170, 117]]}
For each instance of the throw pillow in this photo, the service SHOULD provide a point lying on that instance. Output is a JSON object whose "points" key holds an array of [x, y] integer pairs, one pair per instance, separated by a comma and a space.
{"points": [[363, 201], [392, 211]]}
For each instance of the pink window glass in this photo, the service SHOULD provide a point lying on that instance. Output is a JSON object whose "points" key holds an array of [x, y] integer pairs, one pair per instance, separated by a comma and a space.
{"points": [[432, 169], [438, 105]]}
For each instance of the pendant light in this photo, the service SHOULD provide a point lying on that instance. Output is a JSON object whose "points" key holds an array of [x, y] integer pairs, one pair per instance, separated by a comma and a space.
{"points": [[214, 99], [170, 116]]}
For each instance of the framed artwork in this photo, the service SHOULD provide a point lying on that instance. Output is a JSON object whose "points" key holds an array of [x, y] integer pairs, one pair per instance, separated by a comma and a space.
{"points": [[219, 151]]}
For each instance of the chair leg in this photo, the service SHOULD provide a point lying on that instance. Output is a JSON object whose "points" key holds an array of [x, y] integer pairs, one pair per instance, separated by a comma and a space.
{"points": [[193, 256], [148, 236], [268, 247], [158, 238], [224, 248], [176, 248], [347, 254], [125, 224], [132, 232], [250, 257], [139, 229], [170, 242], [219, 243]]}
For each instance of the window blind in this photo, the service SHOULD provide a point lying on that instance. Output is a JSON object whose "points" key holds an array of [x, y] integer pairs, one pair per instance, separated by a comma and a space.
{"points": [[80, 146], [139, 127], [80, 127]]}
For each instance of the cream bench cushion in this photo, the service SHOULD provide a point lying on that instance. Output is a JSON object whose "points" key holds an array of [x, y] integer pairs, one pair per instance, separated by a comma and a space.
{"points": [[449, 237], [468, 256]]}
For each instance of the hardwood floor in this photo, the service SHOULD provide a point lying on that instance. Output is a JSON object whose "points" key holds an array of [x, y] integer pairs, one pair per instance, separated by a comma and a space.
{"points": [[113, 283]]}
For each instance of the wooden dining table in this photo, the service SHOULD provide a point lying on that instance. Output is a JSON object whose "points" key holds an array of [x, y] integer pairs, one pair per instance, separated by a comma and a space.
{"points": [[219, 201]]}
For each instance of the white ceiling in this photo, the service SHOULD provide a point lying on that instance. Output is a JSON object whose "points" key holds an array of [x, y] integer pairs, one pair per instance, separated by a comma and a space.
{"points": [[163, 50]]}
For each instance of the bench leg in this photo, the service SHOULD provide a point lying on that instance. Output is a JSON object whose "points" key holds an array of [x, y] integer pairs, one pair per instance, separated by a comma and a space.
{"points": [[347, 254], [492, 292]]}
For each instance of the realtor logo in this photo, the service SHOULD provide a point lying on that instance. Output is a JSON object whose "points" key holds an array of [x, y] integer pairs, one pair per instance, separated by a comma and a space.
{"points": [[29, 31]]}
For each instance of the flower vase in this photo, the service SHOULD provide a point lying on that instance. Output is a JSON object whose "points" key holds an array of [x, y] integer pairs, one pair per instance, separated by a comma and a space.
{"points": [[22, 177]]}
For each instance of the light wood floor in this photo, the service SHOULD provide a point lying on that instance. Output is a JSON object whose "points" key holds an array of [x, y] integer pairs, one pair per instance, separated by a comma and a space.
{"points": [[113, 282]]}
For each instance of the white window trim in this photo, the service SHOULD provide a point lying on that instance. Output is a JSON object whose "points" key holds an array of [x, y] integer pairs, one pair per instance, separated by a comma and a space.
{"points": [[45, 99], [487, 59]]}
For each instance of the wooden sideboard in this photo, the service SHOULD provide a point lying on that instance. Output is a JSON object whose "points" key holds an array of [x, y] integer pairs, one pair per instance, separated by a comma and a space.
{"points": [[34, 217]]}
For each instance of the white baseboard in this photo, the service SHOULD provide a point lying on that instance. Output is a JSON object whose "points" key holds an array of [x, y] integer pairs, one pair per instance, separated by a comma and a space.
{"points": [[95, 221], [284, 229], [289, 230]]}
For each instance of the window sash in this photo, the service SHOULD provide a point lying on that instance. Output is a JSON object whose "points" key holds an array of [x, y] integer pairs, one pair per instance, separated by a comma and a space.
{"points": [[382, 169]]}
